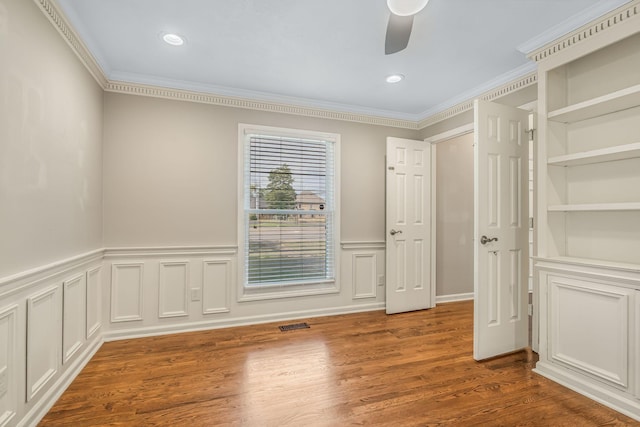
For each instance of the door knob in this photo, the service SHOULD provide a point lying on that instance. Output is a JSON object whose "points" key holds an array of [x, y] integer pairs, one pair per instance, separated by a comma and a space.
{"points": [[394, 232], [484, 240]]}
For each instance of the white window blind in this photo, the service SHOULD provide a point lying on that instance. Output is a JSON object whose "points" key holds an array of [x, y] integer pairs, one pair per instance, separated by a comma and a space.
{"points": [[289, 210]]}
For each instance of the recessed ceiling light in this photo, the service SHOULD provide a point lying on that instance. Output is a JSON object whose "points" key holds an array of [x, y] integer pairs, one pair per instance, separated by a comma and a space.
{"points": [[394, 78], [173, 39]]}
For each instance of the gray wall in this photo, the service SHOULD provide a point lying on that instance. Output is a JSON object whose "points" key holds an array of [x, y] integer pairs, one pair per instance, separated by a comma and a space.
{"points": [[50, 145], [170, 174], [454, 216]]}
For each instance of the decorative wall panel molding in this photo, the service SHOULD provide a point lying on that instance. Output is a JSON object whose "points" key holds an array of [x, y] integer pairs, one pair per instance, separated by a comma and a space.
{"points": [[173, 289], [583, 313], [127, 291], [73, 316], [14, 284], [44, 340], [8, 368], [217, 280], [364, 274], [94, 306], [606, 23], [158, 251], [363, 245]]}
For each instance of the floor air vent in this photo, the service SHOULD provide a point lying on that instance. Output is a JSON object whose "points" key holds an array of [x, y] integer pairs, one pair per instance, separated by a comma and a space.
{"points": [[294, 326]]}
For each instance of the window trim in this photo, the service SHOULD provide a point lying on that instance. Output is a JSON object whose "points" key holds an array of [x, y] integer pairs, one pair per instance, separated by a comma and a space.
{"points": [[277, 291]]}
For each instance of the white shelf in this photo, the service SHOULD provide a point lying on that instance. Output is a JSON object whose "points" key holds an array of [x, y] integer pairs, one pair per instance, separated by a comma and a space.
{"points": [[611, 154], [609, 103], [594, 207], [591, 262]]}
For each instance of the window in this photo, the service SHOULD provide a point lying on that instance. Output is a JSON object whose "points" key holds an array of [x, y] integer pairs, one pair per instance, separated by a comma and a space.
{"points": [[289, 225]]}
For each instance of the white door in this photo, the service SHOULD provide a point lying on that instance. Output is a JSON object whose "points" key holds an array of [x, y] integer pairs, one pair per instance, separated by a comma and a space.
{"points": [[408, 223], [501, 230]]}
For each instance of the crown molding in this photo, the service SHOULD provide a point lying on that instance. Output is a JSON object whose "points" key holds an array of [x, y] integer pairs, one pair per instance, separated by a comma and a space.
{"points": [[52, 11], [527, 80], [252, 104], [505, 84], [598, 26], [576, 21]]}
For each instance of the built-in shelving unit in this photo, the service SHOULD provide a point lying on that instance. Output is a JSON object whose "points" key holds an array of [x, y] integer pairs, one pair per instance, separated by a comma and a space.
{"points": [[587, 265], [606, 104], [609, 154], [594, 207]]}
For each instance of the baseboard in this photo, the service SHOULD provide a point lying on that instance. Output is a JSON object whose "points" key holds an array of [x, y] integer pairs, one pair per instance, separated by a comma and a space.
{"points": [[129, 333], [46, 402], [599, 393], [454, 297]]}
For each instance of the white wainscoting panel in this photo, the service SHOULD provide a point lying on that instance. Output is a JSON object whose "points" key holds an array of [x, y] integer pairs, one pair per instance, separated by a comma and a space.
{"points": [[44, 343], [364, 274], [173, 292], [217, 281], [363, 269], [8, 372], [636, 361], [589, 328], [94, 306], [73, 315], [126, 291]]}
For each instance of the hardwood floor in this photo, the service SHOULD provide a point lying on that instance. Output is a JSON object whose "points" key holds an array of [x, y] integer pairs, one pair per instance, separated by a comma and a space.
{"points": [[411, 369]]}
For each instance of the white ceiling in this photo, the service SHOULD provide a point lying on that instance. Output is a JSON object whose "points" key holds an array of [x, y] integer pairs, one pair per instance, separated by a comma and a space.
{"points": [[324, 53]]}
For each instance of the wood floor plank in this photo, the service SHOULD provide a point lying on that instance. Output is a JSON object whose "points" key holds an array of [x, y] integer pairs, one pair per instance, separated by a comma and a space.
{"points": [[409, 369]]}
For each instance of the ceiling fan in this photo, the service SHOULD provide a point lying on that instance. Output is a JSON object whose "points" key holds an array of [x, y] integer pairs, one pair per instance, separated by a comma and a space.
{"points": [[400, 23]]}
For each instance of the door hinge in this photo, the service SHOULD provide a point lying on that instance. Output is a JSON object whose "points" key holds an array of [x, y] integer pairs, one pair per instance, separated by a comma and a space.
{"points": [[530, 132], [530, 222], [530, 307]]}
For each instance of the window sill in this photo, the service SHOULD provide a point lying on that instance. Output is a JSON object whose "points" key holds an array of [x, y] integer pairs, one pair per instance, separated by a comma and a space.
{"points": [[267, 292]]}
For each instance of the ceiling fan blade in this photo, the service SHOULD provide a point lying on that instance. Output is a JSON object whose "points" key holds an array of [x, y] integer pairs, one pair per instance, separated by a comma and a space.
{"points": [[398, 33]]}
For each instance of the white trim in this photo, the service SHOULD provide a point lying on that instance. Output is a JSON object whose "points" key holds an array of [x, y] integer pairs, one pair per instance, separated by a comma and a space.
{"points": [[130, 333], [11, 314], [440, 299], [285, 291], [574, 22], [162, 283], [179, 251], [35, 385], [365, 245], [228, 285], [92, 329], [254, 97], [434, 140], [114, 292], [507, 79], [467, 105], [58, 267], [129, 83], [261, 105], [59, 21], [599, 393], [79, 280], [49, 398], [450, 134], [617, 18], [374, 275], [434, 225]]}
